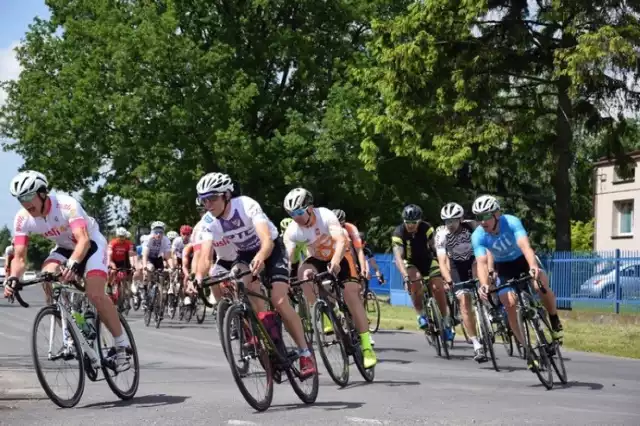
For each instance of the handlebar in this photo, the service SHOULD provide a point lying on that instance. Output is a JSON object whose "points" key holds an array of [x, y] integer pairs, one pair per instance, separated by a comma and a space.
{"points": [[234, 275], [317, 278], [43, 278], [517, 283], [471, 284]]}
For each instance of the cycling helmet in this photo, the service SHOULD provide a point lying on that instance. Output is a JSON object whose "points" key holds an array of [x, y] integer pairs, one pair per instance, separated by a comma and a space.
{"points": [[412, 212], [284, 224], [128, 235], [121, 233], [214, 183], [298, 198], [341, 215], [485, 204], [186, 230], [28, 182], [172, 235], [158, 224], [451, 211]]}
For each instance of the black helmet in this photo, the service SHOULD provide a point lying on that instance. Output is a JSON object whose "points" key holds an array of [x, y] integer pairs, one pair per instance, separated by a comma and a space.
{"points": [[340, 214], [412, 212]]}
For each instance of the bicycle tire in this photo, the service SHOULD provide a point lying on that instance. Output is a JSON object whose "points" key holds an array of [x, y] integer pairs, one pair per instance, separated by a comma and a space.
{"points": [[525, 326], [106, 371], [200, 304], [368, 374], [320, 308], [487, 334], [77, 396], [294, 379], [302, 308], [150, 305], [221, 311], [238, 311], [430, 332], [159, 307], [371, 297], [556, 354], [439, 323]]}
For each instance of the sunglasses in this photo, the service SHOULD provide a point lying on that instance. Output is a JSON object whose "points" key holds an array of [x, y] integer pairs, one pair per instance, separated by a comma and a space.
{"points": [[158, 231], [211, 198], [27, 198], [483, 217], [411, 222], [296, 213], [451, 221]]}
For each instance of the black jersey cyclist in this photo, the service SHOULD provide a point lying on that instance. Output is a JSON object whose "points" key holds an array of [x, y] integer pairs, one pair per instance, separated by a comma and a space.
{"points": [[414, 253]]}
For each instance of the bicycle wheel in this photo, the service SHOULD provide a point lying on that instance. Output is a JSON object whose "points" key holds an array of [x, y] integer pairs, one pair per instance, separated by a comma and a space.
{"points": [[251, 347], [532, 349], [65, 354], [159, 307], [302, 308], [439, 328], [486, 334], [107, 353], [367, 373], [306, 389], [148, 313], [201, 310], [223, 307], [372, 308], [339, 372], [554, 351]]}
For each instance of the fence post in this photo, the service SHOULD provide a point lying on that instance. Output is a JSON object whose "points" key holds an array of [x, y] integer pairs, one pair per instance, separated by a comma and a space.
{"points": [[617, 283]]}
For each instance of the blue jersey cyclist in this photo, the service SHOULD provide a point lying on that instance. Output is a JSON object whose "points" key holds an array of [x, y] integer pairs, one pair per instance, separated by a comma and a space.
{"points": [[504, 236]]}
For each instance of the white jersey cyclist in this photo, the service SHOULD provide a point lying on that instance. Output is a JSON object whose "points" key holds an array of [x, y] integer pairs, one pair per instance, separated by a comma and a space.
{"points": [[319, 237], [239, 227], [177, 247], [65, 214], [456, 245], [157, 247]]}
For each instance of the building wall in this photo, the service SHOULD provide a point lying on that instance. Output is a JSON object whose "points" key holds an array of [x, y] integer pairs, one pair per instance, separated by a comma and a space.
{"points": [[611, 196]]}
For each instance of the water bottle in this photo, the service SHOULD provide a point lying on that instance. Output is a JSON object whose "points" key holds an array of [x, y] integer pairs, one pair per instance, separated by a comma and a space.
{"points": [[270, 321], [90, 321], [81, 322]]}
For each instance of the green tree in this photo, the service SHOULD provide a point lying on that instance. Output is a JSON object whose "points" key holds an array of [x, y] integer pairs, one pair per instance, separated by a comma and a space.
{"points": [[582, 235], [97, 205], [499, 87], [5, 238], [38, 250]]}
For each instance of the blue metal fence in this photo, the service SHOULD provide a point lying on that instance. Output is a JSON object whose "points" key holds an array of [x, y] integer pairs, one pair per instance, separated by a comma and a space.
{"points": [[599, 281]]}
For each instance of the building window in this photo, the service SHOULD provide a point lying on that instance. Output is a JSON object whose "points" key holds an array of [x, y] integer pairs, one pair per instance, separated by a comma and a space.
{"points": [[623, 217], [628, 176]]}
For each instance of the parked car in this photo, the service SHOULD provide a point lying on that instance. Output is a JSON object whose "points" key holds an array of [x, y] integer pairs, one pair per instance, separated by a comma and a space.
{"points": [[602, 285], [29, 275]]}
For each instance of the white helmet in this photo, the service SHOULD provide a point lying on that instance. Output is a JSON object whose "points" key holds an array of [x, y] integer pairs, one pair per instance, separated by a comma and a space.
{"points": [[128, 234], [213, 183], [144, 239], [28, 182], [451, 211], [121, 232], [298, 198], [485, 204], [172, 235], [158, 224]]}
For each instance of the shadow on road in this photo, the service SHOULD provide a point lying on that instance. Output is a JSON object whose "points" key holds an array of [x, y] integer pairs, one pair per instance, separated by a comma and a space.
{"points": [[146, 401], [326, 405], [395, 361], [403, 350], [506, 368], [461, 357], [389, 383], [573, 384], [394, 332]]}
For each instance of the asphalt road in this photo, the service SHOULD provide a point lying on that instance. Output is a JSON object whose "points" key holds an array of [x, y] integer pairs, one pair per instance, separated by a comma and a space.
{"points": [[185, 380]]}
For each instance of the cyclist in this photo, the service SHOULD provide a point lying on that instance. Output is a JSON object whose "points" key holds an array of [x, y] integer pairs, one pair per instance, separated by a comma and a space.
{"points": [[172, 235], [177, 249], [80, 249], [121, 256], [371, 259], [328, 247], [156, 250], [241, 221], [413, 249], [504, 236], [457, 264], [300, 252], [356, 244]]}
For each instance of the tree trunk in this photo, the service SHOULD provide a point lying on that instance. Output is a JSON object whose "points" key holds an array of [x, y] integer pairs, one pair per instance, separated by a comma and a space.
{"points": [[562, 161]]}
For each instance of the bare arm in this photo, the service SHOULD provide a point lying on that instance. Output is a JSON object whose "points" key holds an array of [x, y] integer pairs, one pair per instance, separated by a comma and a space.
{"points": [[398, 254], [443, 262], [203, 261], [19, 261]]}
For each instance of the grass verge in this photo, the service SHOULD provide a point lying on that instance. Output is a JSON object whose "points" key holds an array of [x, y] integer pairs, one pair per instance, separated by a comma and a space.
{"points": [[582, 332]]}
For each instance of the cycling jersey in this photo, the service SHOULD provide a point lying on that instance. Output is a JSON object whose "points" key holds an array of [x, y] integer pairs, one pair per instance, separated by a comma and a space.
{"points": [[157, 247], [239, 227], [120, 249], [222, 248], [503, 246], [177, 247], [457, 245], [416, 245], [64, 214], [139, 250], [300, 253]]}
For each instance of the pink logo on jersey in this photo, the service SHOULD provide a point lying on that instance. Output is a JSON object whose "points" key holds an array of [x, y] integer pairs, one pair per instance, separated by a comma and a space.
{"points": [[19, 223]]}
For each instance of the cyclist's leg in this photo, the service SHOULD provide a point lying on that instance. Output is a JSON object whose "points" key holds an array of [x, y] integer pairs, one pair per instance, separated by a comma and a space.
{"points": [[51, 264], [507, 296], [549, 301], [437, 289], [416, 292], [242, 262], [308, 268]]}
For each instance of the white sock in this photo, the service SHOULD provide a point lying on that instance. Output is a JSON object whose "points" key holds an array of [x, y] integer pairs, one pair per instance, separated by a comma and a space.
{"points": [[121, 340], [476, 343]]}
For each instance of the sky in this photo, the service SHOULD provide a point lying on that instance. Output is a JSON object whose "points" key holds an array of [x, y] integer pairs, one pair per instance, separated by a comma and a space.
{"points": [[15, 17]]}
